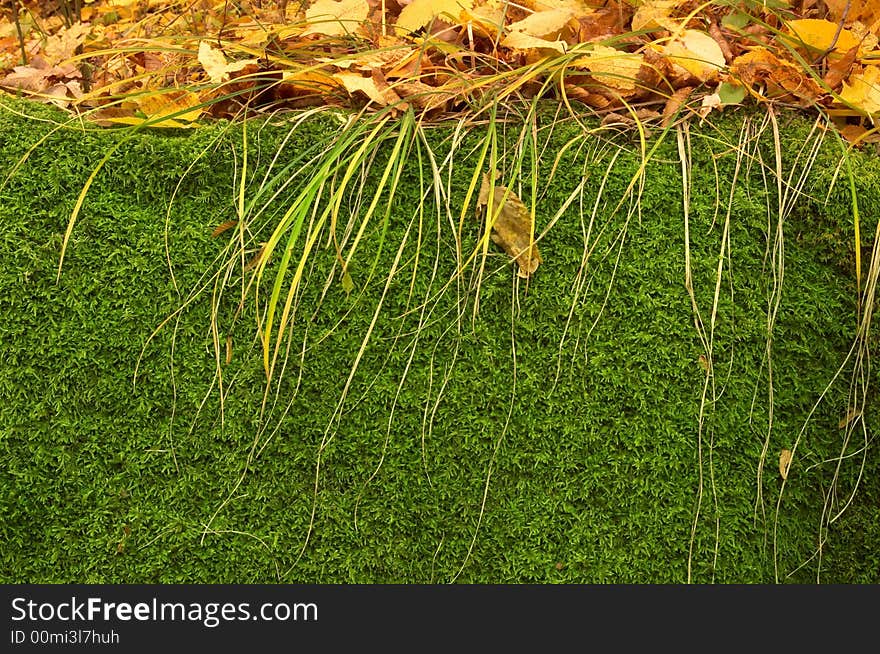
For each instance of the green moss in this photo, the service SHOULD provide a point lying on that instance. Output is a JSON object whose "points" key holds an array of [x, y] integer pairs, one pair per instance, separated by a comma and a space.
{"points": [[578, 397]]}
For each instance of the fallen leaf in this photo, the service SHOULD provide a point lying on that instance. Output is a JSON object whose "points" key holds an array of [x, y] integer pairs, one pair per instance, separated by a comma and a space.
{"points": [[612, 67], [543, 24], [863, 10], [512, 226], [851, 415], [172, 108], [654, 15], [420, 13], [484, 20], [863, 91], [64, 44], [332, 18], [819, 35], [353, 82], [523, 41], [784, 463], [760, 67], [222, 227], [731, 93], [675, 102], [215, 64], [859, 135], [697, 53]]}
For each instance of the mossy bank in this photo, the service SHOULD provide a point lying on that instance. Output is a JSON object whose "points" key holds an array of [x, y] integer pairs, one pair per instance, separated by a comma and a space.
{"points": [[476, 427]]}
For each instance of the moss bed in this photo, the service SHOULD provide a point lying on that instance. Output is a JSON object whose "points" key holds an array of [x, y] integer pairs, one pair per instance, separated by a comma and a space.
{"points": [[534, 443]]}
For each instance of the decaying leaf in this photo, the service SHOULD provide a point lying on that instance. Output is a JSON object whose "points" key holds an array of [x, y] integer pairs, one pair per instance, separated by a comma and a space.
{"points": [[369, 86], [859, 135], [64, 44], [512, 226], [654, 15], [222, 227], [523, 41], [215, 64], [863, 91], [543, 24], [760, 67], [697, 53], [851, 415], [612, 67], [822, 35], [420, 13], [862, 10], [674, 104], [784, 463], [333, 18]]}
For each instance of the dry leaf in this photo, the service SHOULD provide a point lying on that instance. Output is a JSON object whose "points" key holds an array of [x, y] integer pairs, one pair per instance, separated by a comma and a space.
{"points": [[676, 100], [333, 18], [840, 68], [543, 24], [215, 64], [420, 13], [863, 91], [859, 135], [820, 35], [762, 67], [484, 20], [612, 67], [697, 53], [784, 463], [512, 228], [354, 82], [64, 44], [851, 415], [222, 227], [862, 10], [167, 103], [523, 41], [654, 15]]}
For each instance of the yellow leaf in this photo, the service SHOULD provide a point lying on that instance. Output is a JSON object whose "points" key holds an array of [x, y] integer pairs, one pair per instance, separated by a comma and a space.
{"points": [[784, 463], [577, 8], [612, 67], [419, 13], [697, 52], [522, 41], [333, 18], [543, 24], [654, 15], [512, 226], [366, 85], [178, 105], [863, 91], [215, 64], [861, 10], [819, 35], [484, 20]]}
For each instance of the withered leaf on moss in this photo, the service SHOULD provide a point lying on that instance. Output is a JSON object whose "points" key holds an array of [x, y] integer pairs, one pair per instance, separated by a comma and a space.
{"points": [[512, 227]]}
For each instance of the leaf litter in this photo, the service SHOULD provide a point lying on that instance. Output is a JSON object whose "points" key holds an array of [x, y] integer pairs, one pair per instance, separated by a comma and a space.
{"points": [[439, 56]]}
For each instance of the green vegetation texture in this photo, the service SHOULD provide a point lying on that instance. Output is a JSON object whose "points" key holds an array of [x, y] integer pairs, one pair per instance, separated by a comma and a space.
{"points": [[555, 431]]}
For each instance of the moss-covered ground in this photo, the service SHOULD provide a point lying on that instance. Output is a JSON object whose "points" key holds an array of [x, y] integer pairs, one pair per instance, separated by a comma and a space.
{"points": [[561, 434]]}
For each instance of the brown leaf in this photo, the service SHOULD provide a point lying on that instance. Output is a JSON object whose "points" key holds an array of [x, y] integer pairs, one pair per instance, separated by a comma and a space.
{"points": [[512, 226], [839, 69], [784, 463], [851, 415], [222, 227], [674, 104], [782, 78]]}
